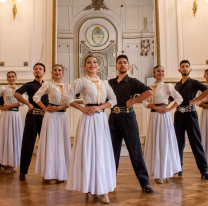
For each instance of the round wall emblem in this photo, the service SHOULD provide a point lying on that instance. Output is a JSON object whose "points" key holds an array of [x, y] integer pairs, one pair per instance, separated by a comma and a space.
{"points": [[97, 35]]}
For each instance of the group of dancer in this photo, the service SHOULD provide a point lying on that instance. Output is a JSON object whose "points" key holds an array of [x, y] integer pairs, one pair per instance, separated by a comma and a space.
{"points": [[92, 165]]}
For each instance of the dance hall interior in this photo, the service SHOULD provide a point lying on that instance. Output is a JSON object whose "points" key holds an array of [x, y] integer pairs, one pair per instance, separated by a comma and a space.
{"points": [[151, 164]]}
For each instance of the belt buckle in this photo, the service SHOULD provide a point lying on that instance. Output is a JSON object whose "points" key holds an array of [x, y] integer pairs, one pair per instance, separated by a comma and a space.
{"points": [[182, 109], [116, 110], [98, 111], [42, 112]]}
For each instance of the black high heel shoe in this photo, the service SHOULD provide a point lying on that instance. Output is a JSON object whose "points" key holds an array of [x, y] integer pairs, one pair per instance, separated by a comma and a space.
{"points": [[1, 166]]}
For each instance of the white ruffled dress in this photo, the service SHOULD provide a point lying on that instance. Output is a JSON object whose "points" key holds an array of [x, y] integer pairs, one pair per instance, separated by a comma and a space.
{"points": [[11, 130], [92, 168], [54, 149], [161, 153]]}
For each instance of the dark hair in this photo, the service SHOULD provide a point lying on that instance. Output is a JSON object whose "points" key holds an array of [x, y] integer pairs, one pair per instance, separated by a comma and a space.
{"points": [[11, 72], [40, 65], [157, 67], [185, 61], [205, 71], [85, 60], [59, 66], [122, 56]]}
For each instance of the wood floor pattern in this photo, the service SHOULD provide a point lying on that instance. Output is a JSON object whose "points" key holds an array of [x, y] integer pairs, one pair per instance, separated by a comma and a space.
{"points": [[187, 190]]}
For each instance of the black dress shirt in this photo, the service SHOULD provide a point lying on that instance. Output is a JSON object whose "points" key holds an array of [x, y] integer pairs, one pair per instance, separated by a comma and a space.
{"points": [[125, 88], [31, 88], [189, 89]]}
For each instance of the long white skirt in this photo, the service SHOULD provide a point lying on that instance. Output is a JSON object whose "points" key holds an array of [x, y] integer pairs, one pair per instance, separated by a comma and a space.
{"points": [[10, 138], [204, 130], [92, 167], [161, 153], [54, 149]]}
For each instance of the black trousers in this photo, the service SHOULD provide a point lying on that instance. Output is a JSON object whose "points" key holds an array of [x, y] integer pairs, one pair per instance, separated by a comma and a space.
{"points": [[124, 126], [32, 128], [188, 121]]}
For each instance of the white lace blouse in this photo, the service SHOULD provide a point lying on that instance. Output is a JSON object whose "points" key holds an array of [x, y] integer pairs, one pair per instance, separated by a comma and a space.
{"points": [[87, 88], [205, 100], [53, 91], [8, 96], [162, 92]]}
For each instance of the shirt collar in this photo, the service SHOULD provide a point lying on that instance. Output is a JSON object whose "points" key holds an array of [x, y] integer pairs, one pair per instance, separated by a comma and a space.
{"points": [[188, 80], [125, 79], [58, 84], [38, 81], [158, 84]]}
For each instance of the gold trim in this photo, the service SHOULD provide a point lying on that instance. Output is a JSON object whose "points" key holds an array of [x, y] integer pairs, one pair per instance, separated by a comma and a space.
{"points": [[54, 33], [157, 22]]}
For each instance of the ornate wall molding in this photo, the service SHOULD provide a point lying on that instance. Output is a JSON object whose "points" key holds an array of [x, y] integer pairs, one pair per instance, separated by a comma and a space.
{"points": [[97, 5], [54, 37]]}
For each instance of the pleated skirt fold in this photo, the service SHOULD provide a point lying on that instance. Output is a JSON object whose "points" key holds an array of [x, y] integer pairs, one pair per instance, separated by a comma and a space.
{"points": [[54, 149], [204, 130], [161, 153], [10, 138], [92, 167]]}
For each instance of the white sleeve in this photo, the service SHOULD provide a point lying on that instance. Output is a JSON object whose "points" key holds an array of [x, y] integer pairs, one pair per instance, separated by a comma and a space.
{"points": [[146, 102], [42, 90], [173, 93], [21, 104], [75, 88], [110, 94], [2, 91], [200, 101]]}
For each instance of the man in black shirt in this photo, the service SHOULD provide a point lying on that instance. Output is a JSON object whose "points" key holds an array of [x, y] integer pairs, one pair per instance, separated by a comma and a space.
{"points": [[122, 120], [34, 117], [186, 118]]}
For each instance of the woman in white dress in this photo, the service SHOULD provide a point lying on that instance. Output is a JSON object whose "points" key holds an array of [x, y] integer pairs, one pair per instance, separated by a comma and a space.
{"points": [[161, 153], [54, 149], [10, 126], [92, 169], [204, 117]]}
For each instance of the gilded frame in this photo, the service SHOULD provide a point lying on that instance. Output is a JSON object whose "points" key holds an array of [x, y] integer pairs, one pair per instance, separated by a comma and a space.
{"points": [[54, 32]]}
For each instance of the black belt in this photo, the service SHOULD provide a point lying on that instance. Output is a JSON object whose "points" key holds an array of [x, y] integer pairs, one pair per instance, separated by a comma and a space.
{"points": [[122, 110], [14, 109], [158, 105], [92, 105], [36, 111], [186, 108], [57, 106]]}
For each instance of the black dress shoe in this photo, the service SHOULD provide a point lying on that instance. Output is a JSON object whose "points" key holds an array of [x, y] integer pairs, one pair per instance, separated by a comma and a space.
{"points": [[204, 175], [22, 176], [180, 174], [147, 189]]}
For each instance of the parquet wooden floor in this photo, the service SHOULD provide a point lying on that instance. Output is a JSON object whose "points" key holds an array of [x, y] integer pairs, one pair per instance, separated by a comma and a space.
{"points": [[187, 190]]}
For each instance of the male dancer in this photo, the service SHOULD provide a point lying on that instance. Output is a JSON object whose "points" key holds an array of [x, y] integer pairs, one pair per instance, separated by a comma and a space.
{"points": [[122, 120], [186, 118], [34, 117]]}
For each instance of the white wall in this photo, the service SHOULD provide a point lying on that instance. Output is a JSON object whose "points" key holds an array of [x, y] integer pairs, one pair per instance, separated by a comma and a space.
{"points": [[183, 37], [28, 38]]}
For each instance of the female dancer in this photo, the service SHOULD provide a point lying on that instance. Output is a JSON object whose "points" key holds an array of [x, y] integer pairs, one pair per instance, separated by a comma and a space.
{"points": [[204, 117], [10, 126], [92, 169], [54, 148], [161, 153]]}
